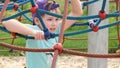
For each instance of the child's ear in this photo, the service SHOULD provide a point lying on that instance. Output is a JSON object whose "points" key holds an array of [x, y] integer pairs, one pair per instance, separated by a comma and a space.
{"points": [[36, 21]]}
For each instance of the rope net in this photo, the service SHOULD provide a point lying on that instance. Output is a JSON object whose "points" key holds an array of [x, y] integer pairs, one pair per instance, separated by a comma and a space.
{"points": [[58, 49]]}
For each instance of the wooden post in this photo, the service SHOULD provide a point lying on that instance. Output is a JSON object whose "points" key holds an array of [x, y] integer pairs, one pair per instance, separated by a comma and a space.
{"points": [[98, 41]]}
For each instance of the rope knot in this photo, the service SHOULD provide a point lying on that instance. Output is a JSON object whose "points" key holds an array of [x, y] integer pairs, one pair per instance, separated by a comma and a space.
{"points": [[16, 7], [102, 14], [33, 9], [91, 23], [13, 34], [58, 47], [95, 29]]}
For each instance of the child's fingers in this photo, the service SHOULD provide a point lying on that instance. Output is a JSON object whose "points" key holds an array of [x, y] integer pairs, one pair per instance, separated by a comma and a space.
{"points": [[39, 35]]}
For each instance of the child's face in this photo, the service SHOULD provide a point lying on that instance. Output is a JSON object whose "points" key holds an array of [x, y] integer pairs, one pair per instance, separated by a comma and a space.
{"points": [[51, 22]]}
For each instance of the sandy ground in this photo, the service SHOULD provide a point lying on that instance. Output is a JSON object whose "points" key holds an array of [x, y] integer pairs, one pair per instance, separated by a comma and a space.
{"points": [[63, 62]]}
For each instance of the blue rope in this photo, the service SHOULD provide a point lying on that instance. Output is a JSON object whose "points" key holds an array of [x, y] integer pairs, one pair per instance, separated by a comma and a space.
{"points": [[89, 30], [28, 18], [114, 14], [11, 6], [40, 18], [16, 15], [32, 3], [80, 24], [103, 6], [78, 17], [66, 34], [89, 2], [45, 29], [97, 23], [69, 17]]}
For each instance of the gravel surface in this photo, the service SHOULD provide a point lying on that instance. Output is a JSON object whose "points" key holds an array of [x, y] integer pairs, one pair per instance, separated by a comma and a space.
{"points": [[63, 62]]}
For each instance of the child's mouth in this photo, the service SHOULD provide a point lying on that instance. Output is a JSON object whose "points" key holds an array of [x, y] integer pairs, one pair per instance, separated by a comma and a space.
{"points": [[52, 29]]}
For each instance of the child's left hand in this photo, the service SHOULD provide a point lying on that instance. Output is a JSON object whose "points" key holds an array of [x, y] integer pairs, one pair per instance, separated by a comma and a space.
{"points": [[39, 35]]}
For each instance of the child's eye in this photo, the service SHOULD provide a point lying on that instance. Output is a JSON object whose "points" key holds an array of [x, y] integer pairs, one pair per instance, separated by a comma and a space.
{"points": [[57, 19], [49, 19]]}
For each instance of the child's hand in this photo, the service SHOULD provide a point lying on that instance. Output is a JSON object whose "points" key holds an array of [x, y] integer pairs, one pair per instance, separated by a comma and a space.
{"points": [[39, 35]]}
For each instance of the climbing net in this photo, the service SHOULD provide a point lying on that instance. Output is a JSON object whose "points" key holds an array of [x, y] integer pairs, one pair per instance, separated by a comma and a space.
{"points": [[58, 49]]}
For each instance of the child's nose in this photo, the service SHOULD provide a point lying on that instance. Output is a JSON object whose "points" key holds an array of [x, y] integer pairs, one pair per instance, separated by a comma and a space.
{"points": [[53, 23]]}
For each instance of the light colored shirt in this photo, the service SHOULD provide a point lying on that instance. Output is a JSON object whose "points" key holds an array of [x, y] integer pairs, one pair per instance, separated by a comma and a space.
{"points": [[40, 59]]}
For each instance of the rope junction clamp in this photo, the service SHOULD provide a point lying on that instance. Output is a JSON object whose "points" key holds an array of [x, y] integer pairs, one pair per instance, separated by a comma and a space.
{"points": [[16, 7], [20, 19], [58, 47], [95, 29], [33, 9], [91, 24], [46, 34], [13, 34], [102, 14]]}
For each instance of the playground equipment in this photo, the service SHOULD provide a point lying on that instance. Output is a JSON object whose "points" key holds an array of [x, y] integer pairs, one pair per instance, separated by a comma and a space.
{"points": [[93, 24]]}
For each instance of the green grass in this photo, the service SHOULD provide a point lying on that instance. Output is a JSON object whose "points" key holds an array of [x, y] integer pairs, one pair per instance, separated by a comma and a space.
{"points": [[67, 43]]}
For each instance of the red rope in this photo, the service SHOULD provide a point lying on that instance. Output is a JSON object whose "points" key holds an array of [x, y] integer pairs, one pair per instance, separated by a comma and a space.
{"points": [[117, 55], [56, 53], [15, 47], [65, 51], [3, 9], [59, 41]]}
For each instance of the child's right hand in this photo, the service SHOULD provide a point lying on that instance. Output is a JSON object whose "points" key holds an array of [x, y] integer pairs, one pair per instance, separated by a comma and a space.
{"points": [[39, 35]]}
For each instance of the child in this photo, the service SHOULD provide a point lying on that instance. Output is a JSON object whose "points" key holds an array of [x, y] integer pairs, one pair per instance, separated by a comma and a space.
{"points": [[42, 59]]}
